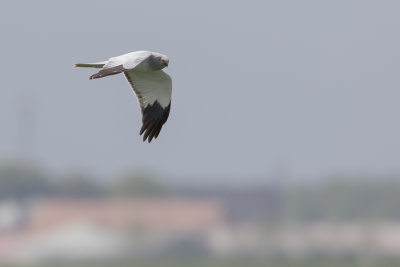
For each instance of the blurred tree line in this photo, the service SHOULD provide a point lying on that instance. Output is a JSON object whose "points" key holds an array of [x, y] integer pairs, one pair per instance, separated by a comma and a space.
{"points": [[362, 197], [24, 181], [336, 198]]}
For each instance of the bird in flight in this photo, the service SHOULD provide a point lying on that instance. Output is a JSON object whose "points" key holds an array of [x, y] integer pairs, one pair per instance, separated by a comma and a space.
{"points": [[152, 86]]}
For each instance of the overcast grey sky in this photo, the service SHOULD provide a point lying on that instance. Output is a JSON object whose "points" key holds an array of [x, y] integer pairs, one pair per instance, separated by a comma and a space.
{"points": [[309, 85]]}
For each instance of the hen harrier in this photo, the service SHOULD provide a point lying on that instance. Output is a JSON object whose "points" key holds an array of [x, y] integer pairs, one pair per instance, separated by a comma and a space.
{"points": [[152, 86]]}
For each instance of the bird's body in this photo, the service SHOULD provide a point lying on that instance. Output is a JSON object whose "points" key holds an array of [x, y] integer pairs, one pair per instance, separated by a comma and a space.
{"points": [[152, 86]]}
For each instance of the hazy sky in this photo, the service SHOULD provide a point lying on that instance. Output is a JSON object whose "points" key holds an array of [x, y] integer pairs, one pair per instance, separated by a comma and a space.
{"points": [[312, 86]]}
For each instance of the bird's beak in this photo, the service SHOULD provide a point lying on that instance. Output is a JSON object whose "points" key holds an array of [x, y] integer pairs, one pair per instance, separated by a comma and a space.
{"points": [[165, 62]]}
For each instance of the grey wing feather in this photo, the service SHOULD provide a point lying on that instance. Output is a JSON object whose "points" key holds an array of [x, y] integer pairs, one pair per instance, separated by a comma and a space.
{"points": [[91, 65], [120, 64], [153, 90]]}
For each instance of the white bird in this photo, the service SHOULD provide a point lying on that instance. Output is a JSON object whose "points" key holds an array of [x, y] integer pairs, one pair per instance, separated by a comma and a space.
{"points": [[152, 86]]}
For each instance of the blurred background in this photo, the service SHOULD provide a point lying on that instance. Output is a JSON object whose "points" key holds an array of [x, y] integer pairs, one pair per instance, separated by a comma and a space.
{"points": [[282, 147]]}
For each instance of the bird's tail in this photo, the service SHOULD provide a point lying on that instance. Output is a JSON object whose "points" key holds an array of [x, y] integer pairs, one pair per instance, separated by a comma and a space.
{"points": [[91, 65]]}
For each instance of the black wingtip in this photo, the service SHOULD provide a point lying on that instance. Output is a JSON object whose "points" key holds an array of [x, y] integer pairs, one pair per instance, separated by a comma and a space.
{"points": [[154, 117]]}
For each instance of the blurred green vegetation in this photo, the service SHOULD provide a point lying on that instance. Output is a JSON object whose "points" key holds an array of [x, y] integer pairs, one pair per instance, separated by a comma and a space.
{"points": [[20, 179], [343, 197], [137, 183], [23, 180]]}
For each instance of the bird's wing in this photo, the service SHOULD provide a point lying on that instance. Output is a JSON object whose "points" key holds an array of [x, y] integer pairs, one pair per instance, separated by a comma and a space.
{"points": [[98, 65], [122, 63], [153, 90]]}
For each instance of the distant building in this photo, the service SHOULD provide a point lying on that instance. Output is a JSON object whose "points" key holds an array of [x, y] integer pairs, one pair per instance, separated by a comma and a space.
{"points": [[12, 215], [153, 214], [84, 229], [67, 229]]}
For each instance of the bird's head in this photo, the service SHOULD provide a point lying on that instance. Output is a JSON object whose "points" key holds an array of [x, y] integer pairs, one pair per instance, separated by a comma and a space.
{"points": [[161, 61], [164, 61]]}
